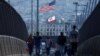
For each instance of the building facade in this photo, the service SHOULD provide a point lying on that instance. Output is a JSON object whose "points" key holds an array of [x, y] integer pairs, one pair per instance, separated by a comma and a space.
{"points": [[48, 29]]}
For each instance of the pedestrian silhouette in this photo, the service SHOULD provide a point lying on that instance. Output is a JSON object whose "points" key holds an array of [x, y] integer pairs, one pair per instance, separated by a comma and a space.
{"points": [[61, 42], [38, 44], [48, 45], [30, 44], [74, 36]]}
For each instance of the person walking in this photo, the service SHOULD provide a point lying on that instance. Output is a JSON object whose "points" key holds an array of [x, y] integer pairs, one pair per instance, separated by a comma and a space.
{"points": [[48, 45], [38, 44], [30, 43], [61, 42], [74, 38]]}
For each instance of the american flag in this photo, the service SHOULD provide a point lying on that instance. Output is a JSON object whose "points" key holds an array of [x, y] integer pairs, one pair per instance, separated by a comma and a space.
{"points": [[47, 7]]}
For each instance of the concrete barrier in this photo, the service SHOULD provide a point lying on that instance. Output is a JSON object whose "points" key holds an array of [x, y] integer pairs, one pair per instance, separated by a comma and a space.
{"points": [[12, 46], [90, 47]]}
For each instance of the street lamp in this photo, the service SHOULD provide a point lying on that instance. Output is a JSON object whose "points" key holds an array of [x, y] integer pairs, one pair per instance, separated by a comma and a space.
{"points": [[37, 16], [76, 9], [76, 4], [32, 17]]}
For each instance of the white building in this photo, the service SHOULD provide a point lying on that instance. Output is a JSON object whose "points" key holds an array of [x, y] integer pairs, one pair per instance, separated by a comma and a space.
{"points": [[48, 29]]}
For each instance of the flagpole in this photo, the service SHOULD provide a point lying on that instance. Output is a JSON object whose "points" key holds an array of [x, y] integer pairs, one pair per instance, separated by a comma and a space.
{"points": [[37, 16], [32, 17]]}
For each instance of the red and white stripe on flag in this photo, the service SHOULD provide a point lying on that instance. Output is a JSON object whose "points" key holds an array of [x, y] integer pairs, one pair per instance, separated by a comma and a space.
{"points": [[46, 8], [52, 19]]}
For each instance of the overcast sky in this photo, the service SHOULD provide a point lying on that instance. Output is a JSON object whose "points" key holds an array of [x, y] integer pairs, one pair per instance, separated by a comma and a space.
{"points": [[63, 9]]}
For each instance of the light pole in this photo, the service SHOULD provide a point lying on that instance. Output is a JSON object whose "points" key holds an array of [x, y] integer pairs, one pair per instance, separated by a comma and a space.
{"points": [[76, 4], [76, 10], [37, 16], [32, 17]]}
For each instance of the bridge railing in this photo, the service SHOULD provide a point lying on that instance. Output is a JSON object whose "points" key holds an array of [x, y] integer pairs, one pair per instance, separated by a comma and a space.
{"points": [[91, 5], [12, 46]]}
